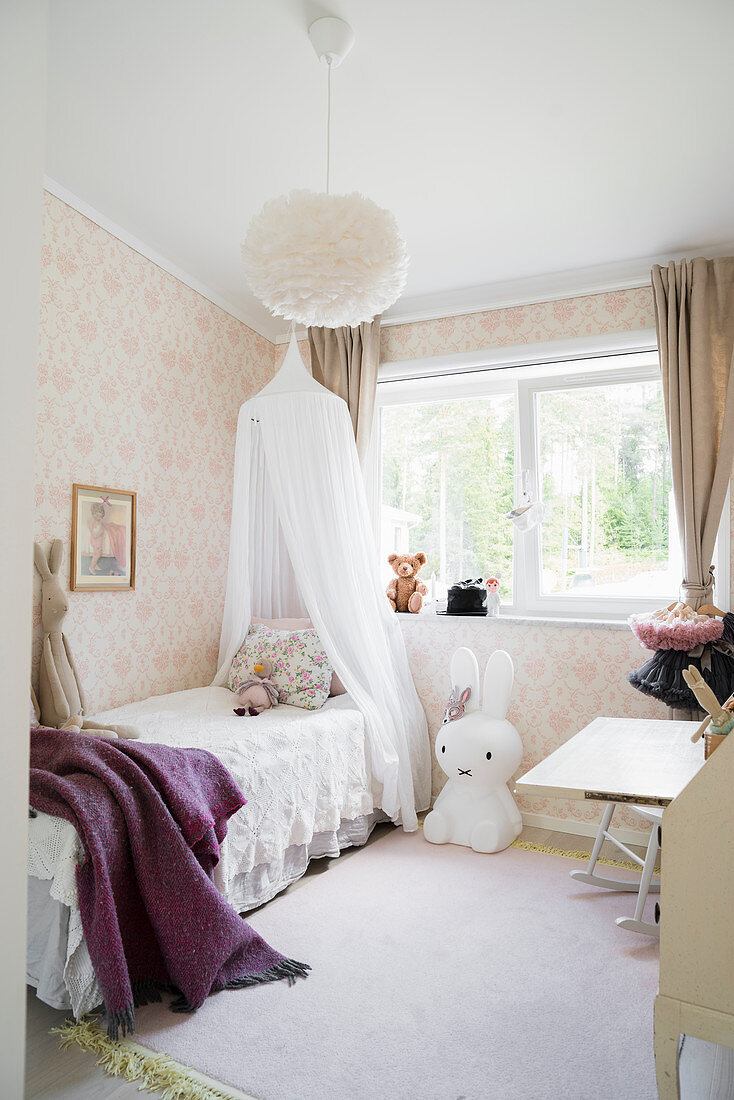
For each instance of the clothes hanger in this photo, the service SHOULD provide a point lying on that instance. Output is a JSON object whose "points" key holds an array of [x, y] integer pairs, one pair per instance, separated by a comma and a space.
{"points": [[680, 607], [710, 609]]}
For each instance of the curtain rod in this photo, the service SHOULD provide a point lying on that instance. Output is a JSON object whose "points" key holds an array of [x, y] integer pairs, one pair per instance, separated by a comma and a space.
{"points": [[521, 365]]}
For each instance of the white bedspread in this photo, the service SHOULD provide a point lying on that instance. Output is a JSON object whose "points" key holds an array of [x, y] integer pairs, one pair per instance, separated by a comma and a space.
{"points": [[302, 772]]}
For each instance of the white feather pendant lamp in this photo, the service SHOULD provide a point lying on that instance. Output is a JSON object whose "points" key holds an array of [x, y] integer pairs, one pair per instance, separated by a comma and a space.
{"points": [[326, 260], [322, 259]]}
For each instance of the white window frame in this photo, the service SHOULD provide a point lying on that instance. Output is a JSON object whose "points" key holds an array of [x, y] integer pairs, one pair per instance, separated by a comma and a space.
{"points": [[532, 372]]}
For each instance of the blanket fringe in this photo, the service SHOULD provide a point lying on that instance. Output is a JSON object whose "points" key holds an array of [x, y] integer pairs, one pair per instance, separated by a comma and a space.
{"points": [[121, 1021], [148, 992], [288, 969], [145, 992], [155, 1072]]}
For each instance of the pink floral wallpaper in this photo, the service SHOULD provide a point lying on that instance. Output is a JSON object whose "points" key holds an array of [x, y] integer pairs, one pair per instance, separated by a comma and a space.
{"points": [[140, 382], [617, 311]]}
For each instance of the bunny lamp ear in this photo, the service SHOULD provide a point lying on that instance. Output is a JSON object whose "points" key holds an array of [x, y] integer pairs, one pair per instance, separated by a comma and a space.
{"points": [[39, 556], [465, 673], [498, 680], [55, 556]]}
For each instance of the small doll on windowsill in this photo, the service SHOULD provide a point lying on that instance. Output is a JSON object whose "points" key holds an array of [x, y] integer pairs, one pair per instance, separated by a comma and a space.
{"points": [[493, 595]]}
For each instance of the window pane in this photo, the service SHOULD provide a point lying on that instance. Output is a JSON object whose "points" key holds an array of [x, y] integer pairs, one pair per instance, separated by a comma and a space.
{"points": [[447, 479], [606, 485]]}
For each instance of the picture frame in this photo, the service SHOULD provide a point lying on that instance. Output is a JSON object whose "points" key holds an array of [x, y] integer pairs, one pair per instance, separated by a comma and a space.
{"points": [[103, 528]]}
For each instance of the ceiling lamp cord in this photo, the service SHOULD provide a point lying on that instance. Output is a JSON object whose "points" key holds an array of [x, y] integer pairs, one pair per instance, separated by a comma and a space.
{"points": [[328, 125]]}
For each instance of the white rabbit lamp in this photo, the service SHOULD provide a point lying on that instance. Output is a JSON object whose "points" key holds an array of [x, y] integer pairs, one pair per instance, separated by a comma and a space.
{"points": [[479, 750]]}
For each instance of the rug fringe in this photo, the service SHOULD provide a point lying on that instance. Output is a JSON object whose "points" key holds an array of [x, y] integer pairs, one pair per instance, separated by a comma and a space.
{"points": [[568, 853], [155, 1072], [547, 849]]}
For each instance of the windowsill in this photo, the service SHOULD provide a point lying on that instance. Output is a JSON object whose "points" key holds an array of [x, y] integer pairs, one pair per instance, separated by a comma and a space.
{"points": [[513, 619]]}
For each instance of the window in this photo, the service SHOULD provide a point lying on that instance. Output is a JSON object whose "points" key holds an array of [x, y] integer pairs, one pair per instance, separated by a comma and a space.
{"points": [[604, 471], [448, 478], [588, 438]]}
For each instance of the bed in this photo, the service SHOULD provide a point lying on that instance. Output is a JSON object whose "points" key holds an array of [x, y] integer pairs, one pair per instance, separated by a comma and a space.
{"points": [[305, 775]]}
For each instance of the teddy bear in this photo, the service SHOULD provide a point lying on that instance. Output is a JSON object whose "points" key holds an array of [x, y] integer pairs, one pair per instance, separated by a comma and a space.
{"points": [[406, 592]]}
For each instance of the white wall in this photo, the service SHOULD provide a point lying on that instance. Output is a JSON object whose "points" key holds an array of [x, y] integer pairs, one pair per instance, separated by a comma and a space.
{"points": [[23, 30]]}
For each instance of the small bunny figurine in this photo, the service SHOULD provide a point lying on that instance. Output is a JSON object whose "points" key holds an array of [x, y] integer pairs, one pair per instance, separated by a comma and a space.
{"points": [[479, 750], [61, 697]]}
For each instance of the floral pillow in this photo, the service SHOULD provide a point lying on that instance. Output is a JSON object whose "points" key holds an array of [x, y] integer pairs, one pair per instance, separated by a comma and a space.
{"points": [[301, 669]]}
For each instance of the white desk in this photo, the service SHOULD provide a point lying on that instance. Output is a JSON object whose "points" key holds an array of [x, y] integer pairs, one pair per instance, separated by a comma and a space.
{"points": [[636, 760], [641, 762]]}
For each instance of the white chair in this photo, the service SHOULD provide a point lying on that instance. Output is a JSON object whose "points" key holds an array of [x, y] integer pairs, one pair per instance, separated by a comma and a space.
{"points": [[646, 884]]}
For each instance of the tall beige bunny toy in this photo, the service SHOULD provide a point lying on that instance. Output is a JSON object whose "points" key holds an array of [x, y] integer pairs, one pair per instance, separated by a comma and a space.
{"points": [[60, 692]]}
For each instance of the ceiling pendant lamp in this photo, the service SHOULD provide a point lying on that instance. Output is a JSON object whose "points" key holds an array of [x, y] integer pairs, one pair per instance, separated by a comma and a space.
{"points": [[321, 259]]}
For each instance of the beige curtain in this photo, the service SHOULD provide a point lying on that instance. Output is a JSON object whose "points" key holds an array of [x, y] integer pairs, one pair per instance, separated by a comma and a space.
{"points": [[346, 360], [694, 307]]}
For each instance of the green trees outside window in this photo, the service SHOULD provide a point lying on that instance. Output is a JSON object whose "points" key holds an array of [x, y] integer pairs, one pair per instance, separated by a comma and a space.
{"points": [[606, 481], [450, 471], [450, 465]]}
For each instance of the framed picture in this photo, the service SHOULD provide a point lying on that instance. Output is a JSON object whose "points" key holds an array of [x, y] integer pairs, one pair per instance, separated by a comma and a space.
{"points": [[102, 539]]}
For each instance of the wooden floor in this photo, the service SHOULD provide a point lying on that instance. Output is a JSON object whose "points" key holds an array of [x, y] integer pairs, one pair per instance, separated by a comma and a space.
{"points": [[71, 1074]]}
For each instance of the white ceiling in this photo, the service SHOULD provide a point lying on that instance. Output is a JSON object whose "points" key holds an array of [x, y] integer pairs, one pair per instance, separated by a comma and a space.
{"points": [[511, 138]]}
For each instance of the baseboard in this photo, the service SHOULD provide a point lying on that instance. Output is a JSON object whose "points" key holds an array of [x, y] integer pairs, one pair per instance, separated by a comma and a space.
{"points": [[584, 828]]}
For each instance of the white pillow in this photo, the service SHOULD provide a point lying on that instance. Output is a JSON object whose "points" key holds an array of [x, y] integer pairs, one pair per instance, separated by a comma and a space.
{"points": [[301, 669]]}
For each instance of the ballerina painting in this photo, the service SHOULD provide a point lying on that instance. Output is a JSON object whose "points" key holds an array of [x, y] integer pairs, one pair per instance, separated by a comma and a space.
{"points": [[103, 539]]}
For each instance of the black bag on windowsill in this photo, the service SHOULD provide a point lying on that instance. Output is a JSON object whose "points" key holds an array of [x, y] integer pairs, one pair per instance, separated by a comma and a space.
{"points": [[467, 598]]}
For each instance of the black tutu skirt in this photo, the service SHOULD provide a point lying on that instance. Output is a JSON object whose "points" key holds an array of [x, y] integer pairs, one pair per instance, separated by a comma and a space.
{"points": [[728, 635], [662, 676]]}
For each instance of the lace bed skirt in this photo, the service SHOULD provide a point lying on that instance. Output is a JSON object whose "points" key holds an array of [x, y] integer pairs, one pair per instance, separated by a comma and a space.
{"points": [[58, 964]]}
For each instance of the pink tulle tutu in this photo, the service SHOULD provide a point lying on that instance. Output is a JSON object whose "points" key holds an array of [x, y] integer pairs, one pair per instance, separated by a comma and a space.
{"points": [[675, 629]]}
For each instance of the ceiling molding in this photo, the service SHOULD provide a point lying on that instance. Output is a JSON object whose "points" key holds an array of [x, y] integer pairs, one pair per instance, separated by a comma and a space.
{"points": [[301, 334], [68, 197], [602, 279]]}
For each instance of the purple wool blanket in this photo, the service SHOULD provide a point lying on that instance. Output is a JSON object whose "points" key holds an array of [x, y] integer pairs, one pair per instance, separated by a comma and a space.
{"points": [[151, 819]]}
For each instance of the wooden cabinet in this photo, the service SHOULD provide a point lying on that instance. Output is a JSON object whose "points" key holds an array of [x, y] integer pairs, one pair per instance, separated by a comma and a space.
{"points": [[696, 994]]}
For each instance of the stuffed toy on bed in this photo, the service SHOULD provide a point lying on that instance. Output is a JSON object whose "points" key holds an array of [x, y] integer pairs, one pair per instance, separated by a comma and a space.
{"points": [[259, 693]]}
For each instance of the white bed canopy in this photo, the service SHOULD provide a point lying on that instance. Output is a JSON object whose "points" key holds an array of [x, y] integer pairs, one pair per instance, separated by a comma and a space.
{"points": [[302, 545]]}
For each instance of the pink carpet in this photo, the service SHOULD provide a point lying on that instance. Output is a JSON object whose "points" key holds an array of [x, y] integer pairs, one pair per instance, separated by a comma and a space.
{"points": [[438, 974]]}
